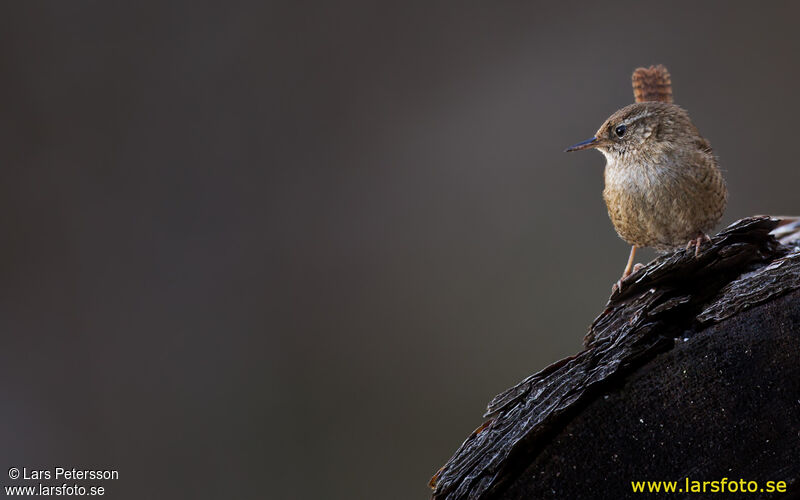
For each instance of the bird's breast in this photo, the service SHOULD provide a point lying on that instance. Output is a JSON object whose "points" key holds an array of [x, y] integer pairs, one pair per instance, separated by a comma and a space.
{"points": [[662, 205]]}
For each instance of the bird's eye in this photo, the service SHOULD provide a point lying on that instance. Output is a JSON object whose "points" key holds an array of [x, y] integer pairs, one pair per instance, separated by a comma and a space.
{"points": [[620, 130]]}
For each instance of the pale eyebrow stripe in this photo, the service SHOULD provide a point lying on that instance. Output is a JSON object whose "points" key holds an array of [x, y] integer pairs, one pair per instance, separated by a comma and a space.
{"points": [[634, 118]]}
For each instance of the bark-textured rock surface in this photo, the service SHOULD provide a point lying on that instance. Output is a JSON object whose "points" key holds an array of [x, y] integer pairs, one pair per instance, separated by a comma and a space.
{"points": [[692, 371]]}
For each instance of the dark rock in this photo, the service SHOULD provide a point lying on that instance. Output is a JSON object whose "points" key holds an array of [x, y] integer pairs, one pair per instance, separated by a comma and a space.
{"points": [[691, 371]]}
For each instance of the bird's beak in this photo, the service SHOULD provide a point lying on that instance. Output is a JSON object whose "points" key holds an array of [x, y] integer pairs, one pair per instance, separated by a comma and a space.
{"points": [[588, 143]]}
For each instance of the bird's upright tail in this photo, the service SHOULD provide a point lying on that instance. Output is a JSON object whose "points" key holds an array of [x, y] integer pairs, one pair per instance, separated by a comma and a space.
{"points": [[652, 84]]}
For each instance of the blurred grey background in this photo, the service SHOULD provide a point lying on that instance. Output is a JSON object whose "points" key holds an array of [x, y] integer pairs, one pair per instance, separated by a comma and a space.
{"points": [[261, 250]]}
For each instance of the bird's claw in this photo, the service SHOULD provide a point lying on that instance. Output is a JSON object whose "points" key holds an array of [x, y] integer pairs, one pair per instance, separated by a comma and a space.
{"points": [[697, 243], [618, 285]]}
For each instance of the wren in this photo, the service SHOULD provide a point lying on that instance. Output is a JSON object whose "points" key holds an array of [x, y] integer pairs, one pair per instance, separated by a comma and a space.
{"points": [[663, 187]]}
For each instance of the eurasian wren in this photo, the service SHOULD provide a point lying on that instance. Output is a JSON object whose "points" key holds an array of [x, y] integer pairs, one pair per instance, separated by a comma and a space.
{"points": [[663, 187]]}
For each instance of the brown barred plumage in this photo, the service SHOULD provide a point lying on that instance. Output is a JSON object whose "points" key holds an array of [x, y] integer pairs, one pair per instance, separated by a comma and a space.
{"points": [[663, 187], [652, 84]]}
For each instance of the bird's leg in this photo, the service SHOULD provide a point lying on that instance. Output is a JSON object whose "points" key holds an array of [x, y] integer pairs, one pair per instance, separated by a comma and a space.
{"points": [[697, 242], [628, 269]]}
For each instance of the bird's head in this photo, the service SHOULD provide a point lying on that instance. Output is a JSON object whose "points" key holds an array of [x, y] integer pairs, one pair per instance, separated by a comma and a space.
{"points": [[639, 129]]}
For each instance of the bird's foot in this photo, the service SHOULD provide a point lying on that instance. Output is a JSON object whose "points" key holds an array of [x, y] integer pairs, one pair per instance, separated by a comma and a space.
{"points": [[618, 285], [697, 243]]}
